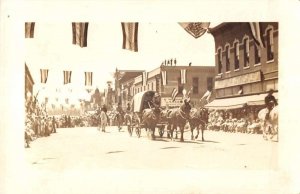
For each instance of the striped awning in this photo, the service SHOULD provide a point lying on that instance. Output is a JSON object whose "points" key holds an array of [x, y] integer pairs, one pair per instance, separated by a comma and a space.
{"points": [[238, 102]]}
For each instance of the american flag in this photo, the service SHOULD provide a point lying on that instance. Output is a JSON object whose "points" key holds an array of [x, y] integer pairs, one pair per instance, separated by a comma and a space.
{"points": [[196, 29], [130, 36], [174, 94], [164, 77]]}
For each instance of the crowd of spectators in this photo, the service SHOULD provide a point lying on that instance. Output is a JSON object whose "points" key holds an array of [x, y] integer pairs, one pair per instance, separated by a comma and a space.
{"points": [[242, 120]]}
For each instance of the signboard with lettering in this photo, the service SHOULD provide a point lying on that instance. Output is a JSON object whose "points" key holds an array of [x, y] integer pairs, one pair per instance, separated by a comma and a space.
{"points": [[238, 80], [168, 102]]}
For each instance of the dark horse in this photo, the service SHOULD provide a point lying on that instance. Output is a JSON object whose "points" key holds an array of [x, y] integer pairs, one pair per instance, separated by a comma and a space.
{"points": [[150, 117], [198, 119], [178, 117]]}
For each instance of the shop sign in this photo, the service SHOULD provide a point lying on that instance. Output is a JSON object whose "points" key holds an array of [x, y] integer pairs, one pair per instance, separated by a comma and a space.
{"points": [[238, 80]]}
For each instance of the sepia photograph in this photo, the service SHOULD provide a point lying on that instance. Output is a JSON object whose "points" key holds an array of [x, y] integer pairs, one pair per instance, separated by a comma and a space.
{"points": [[185, 105]]}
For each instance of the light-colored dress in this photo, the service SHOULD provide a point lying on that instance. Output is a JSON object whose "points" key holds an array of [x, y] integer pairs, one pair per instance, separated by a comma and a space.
{"points": [[103, 120]]}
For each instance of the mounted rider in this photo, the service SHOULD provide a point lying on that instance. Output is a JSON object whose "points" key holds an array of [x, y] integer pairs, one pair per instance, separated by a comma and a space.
{"points": [[270, 102]]}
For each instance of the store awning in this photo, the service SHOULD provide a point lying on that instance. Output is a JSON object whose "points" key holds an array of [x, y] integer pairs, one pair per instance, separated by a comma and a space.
{"points": [[238, 102]]}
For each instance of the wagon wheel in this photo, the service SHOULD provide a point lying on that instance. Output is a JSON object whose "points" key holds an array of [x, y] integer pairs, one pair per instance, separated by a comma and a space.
{"points": [[161, 130], [138, 127]]}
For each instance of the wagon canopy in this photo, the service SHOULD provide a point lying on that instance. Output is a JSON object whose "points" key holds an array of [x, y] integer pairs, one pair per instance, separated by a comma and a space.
{"points": [[141, 99]]}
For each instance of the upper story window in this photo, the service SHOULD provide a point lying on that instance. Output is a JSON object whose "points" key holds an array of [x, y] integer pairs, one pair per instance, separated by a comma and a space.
{"points": [[227, 58], [257, 54], [195, 85], [219, 61], [236, 55], [270, 45], [209, 83], [246, 52]]}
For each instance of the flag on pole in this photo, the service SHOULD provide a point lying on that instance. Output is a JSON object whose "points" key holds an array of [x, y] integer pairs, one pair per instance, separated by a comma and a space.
{"points": [[29, 29], [174, 94], [88, 78], [206, 95], [145, 78], [164, 77], [196, 29], [67, 77], [183, 76], [80, 30], [130, 35], [257, 34], [44, 75]]}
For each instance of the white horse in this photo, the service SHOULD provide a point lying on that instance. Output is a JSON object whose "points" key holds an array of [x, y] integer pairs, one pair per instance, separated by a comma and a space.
{"points": [[269, 126]]}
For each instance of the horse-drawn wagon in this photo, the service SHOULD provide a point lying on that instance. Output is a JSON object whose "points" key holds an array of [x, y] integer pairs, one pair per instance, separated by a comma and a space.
{"points": [[144, 114]]}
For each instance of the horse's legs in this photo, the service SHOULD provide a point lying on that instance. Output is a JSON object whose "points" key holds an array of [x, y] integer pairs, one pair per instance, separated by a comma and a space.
{"points": [[181, 131], [152, 132], [202, 131], [192, 130]]}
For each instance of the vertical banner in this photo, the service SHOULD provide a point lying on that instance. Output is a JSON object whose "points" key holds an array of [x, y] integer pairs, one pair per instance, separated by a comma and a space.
{"points": [[164, 77], [88, 78], [29, 29], [183, 76], [130, 36], [256, 33], [145, 78], [44, 75], [67, 77], [79, 31], [196, 29]]}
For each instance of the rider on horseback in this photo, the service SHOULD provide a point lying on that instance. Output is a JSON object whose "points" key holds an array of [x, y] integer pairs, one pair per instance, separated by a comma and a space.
{"points": [[270, 101]]}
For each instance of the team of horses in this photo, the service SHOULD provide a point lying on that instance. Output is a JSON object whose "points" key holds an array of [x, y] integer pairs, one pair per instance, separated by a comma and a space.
{"points": [[176, 120]]}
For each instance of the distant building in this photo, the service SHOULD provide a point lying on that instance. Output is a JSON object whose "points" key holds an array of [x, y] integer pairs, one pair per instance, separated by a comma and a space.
{"points": [[246, 63], [165, 79]]}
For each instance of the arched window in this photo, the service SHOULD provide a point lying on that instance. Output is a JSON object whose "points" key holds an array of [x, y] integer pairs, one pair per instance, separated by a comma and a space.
{"points": [[227, 57], [219, 60], [236, 55], [246, 51], [270, 43]]}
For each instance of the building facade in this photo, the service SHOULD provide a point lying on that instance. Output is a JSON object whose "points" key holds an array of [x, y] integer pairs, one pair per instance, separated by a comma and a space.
{"points": [[246, 59], [196, 80]]}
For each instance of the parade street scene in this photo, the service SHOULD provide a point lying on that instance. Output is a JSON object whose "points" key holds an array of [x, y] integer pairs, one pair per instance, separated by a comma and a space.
{"points": [[127, 97]]}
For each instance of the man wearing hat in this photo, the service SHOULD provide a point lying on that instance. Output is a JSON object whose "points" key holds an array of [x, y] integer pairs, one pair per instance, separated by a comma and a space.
{"points": [[270, 101]]}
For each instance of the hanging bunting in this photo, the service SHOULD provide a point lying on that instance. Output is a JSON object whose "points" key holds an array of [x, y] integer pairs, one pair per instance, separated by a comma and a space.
{"points": [[257, 33], [164, 77], [88, 78], [67, 77], [183, 76], [29, 29], [145, 78], [196, 29], [44, 75], [130, 36], [80, 30]]}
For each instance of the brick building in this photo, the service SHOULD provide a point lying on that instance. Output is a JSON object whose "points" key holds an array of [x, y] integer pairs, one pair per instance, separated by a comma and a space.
{"points": [[198, 80], [246, 62]]}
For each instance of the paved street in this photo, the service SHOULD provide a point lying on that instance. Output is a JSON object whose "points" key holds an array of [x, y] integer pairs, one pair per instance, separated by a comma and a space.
{"points": [[79, 160]]}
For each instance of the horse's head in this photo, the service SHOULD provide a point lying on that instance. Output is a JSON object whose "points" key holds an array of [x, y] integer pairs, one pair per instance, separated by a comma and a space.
{"points": [[186, 106]]}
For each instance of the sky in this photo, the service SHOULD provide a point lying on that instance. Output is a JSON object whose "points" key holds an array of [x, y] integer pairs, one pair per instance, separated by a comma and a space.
{"points": [[52, 48]]}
